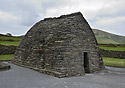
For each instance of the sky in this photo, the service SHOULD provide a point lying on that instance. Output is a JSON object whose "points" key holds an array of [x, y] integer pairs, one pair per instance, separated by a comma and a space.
{"points": [[18, 16]]}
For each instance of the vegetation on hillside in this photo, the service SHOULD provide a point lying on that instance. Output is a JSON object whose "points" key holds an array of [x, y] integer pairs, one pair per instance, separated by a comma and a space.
{"points": [[115, 47], [108, 38], [10, 40]]}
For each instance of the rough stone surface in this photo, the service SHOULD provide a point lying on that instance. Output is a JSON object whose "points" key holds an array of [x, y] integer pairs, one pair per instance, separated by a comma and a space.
{"points": [[104, 53], [4, 66], [62, 47], [7, 49], [111, 53]]}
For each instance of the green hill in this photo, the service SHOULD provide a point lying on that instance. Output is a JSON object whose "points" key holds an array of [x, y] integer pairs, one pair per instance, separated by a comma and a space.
{"points": [[108, 38], [10, 40]]}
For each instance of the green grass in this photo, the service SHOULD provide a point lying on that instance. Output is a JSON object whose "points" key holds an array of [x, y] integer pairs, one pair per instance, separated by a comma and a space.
{"points": [[6, 57], [15, 43], [119, 48], [115, 62], [11, 38], [106, 41], [108, 38]]}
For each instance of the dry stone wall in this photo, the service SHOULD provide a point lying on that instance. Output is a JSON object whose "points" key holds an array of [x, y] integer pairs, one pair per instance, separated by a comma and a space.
{"points": [[111, 53], [7, 49]]}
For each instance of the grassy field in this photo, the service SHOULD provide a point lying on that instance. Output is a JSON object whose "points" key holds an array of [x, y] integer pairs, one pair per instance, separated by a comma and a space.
{"points": [[104, 37], [115, 62], [15, 43], [10, 40], [106, 41], [112, 47], [6, 57]]}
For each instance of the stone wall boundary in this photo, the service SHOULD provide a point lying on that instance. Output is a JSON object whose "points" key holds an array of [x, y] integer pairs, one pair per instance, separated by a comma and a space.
{"points": [[112, 53], [7, 49]]}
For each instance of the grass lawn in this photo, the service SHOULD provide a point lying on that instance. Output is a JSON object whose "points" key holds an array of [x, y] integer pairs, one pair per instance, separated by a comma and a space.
{"points": [[116, 62], [6, 57], [15, 43], [10, 40], [118, 48], [13, 38], [106, 41]]}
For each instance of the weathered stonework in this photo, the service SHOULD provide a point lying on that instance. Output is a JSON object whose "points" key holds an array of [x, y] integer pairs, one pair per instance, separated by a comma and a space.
{"points": [[112, 53], [7, 49], [104, 53], [62, 47]]}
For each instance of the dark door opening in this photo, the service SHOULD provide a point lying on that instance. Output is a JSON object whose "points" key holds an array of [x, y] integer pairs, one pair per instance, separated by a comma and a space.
{"points": [[86, 63]]}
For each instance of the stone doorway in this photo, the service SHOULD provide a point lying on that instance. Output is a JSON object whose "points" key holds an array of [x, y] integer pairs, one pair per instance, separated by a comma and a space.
{"points": [[86, 62]]}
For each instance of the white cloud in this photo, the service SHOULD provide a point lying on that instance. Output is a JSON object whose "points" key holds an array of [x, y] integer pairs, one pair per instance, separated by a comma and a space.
{"points": [[112, 6], [109, 21], [89, 8], [4, 16], [27, 12]]}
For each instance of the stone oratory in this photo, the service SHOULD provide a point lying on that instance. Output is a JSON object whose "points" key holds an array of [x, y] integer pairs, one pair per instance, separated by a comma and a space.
{"points": [[62, 47]]}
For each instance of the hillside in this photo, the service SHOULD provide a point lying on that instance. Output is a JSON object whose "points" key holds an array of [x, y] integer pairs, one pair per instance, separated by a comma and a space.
{"points": [[10, 40], [108, 38]]}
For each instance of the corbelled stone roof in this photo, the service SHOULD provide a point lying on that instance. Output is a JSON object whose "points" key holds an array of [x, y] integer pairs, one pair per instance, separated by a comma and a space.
{"points": [[60, 46]]}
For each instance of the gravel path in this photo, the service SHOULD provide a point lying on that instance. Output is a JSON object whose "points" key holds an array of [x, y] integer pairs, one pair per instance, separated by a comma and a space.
{"points": [[20, 77]]}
